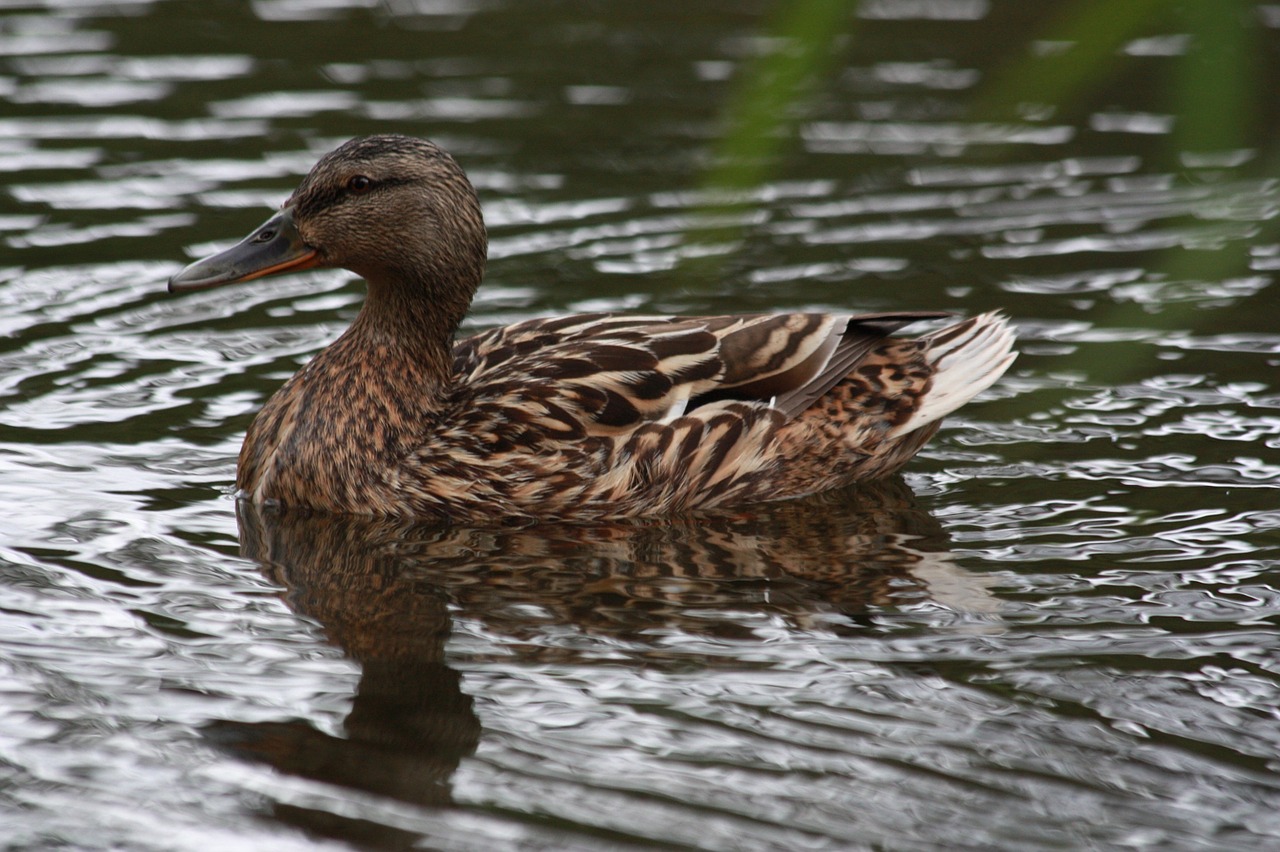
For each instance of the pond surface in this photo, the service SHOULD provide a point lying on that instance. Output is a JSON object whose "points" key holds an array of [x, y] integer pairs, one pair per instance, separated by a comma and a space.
{"points": [[1059, 629]]}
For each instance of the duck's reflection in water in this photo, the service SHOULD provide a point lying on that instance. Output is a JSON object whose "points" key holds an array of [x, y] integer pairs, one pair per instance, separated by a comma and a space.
{"points": [[386, 590]]}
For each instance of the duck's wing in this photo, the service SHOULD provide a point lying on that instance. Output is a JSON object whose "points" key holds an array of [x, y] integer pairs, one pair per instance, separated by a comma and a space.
{"points": [[604, 374]]}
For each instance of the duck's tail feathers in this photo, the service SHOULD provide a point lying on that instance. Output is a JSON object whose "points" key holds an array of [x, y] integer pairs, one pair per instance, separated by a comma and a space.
{"points": [[967, 359]]}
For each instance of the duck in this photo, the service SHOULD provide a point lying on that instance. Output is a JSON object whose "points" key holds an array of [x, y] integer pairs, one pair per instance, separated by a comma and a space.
{"points": [[586, 417]]}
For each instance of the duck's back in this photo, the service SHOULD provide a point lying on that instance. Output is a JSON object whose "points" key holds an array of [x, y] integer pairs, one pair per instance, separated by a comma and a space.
{"points": [[603, 415]]}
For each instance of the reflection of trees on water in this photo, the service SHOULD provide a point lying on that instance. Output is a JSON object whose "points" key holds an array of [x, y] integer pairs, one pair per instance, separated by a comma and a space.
{"points": [[386, 590]]}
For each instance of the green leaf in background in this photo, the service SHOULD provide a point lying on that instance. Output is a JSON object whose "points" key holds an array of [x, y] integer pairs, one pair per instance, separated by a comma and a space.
{"points": [[806, 37]]}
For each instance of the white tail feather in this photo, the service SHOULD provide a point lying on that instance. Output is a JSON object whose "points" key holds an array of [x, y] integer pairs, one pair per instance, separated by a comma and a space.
{"points": [[967, 363]]}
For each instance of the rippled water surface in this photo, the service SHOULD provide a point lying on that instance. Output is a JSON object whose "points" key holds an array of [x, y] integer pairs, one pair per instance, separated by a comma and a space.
{"points": [[1057, 630]]}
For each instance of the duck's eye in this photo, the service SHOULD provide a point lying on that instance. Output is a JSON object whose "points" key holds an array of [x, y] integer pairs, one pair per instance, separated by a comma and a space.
{"points": [[359, 184]]}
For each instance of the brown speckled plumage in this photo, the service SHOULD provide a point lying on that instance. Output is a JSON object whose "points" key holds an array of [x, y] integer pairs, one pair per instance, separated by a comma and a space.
{"points": [[589, 416]]}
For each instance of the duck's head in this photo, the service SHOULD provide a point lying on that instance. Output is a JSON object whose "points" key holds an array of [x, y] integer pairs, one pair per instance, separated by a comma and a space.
{"points": [[395, 210]]}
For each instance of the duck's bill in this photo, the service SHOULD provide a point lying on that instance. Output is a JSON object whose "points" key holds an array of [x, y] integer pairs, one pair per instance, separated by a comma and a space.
{"points": [[273, 248]]}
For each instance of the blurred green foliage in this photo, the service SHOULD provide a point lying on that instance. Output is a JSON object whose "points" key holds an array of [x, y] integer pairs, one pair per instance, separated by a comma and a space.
{"points": [[804, 39], [1068, 65]]}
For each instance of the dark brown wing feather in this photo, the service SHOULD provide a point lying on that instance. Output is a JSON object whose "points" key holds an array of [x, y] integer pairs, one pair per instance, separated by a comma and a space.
{"points": [[615, 373], [862, 334]]}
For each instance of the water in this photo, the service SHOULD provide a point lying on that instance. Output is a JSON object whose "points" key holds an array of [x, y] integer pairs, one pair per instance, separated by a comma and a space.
{"points": [[1058, 630]]}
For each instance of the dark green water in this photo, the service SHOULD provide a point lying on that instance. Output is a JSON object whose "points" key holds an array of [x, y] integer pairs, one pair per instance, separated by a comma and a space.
{"points": [[1057, 631]]}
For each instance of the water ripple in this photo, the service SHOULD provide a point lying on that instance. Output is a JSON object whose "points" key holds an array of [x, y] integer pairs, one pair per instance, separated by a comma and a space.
{"points": [[1059, 631]]}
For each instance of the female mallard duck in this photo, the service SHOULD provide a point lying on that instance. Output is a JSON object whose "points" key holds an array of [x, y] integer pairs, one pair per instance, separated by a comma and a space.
{"points": [[592, 416]]}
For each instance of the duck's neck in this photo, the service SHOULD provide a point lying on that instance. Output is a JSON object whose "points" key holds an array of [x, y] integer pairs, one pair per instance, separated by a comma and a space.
{"points": [[405, 333], [335, 433]]}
